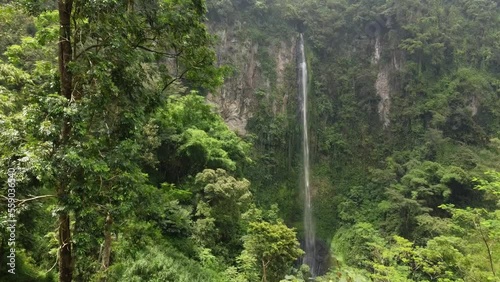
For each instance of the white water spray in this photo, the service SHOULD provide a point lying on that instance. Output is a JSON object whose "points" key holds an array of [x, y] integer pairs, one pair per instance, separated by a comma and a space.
{"points": [[310, 240]]}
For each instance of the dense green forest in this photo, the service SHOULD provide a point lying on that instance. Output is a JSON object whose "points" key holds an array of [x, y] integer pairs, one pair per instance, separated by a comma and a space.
{"points": [[116, 167]]}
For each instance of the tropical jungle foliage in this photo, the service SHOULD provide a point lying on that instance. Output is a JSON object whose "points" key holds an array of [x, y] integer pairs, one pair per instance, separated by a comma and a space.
{"points": [[123, 172]]}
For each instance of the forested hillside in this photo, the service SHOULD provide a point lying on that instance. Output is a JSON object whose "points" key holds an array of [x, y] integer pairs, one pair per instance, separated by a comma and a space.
{"points": [[161, 140]]}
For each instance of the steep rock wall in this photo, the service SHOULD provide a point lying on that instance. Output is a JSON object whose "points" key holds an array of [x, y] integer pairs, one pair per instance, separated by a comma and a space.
{"points": [[236, 100], [383, 85]]}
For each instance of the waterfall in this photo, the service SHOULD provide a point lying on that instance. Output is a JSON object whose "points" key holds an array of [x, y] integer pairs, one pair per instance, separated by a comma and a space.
{"points": [[310, 240]]}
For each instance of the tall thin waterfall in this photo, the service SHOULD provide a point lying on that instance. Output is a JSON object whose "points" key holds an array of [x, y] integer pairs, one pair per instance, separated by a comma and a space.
{"points": [[310, 240]]}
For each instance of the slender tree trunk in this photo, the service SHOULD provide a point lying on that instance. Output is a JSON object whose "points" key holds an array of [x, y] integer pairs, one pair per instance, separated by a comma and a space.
{"points": [[65, 48], [130, 6], [65, 56], [65, 259], [264, 275], [106, 254], [485, 241], [264, 270]]}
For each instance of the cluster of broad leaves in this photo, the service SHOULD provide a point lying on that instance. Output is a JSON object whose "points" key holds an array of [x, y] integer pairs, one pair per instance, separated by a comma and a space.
{"points": [[146, 164]]}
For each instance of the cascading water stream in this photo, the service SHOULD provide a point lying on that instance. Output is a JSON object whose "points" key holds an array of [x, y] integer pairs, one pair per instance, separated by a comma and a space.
{"points": [[310, 240]]}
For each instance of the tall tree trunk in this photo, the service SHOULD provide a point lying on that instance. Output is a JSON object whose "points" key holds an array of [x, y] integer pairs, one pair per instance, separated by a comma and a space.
{"points": [[65, 49], [65, 258], [65, 56], [106, 253]]}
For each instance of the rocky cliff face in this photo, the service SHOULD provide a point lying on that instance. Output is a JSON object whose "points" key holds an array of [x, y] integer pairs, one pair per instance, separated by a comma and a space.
{"points": [[237, 99], [259, 69], [383, 82]]}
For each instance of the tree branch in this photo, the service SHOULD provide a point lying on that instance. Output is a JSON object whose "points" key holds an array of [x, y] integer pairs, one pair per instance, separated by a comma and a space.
{"points": [[88, 48], [175, 79], [23, 201], [159, 52], [485, 240]]}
